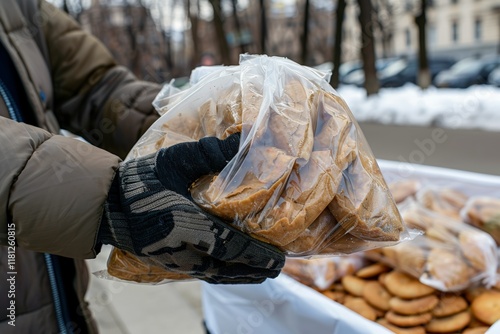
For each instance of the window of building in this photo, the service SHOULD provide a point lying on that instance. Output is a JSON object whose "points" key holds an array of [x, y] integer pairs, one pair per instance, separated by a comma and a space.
{"points": [[432, 33], [478, 27], [408, 37], [454, 31]]}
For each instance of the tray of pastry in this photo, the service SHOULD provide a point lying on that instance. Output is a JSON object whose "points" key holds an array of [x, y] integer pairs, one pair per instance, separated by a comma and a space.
{"points": [[447, 279], [445, 283]]}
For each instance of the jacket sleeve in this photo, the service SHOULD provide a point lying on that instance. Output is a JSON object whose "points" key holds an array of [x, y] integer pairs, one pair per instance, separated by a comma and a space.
{"points": [[53, 190], [94, 97]]}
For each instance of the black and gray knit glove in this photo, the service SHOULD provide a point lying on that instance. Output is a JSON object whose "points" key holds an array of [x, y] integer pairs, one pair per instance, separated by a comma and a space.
{"points": [[149, 213]]}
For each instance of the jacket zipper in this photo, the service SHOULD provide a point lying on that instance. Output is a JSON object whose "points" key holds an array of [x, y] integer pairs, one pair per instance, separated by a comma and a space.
{"points": [[11, 106], [57, 296]]}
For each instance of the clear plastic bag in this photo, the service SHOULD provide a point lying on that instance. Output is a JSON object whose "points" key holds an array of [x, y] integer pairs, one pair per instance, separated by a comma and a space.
{"points": [[450, 256], [304, 179], [444, 200], [322, 272], [483, 212]]}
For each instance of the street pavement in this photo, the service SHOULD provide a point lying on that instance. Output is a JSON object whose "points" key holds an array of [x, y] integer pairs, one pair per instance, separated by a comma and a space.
{"points": [[130, 308], [470, 150], [175, 308]]}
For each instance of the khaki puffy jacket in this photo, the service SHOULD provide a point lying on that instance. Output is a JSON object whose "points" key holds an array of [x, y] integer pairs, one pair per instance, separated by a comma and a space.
{"points": [[53, 188]]}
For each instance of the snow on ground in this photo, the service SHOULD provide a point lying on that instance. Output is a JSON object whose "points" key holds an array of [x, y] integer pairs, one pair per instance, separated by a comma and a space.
{"points": [[475, 107]]}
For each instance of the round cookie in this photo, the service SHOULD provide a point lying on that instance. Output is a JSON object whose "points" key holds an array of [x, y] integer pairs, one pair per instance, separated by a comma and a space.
{"points": [[448, 268], [449, 304], [378, 312], [450, 324], [372, 270], [376, 295], [476, 246], [413, 306], [486, 307], [381, 278], [476, 330], [411, 257], [474, 292], [360, 306], [408, 320], [353, 285], [337, 296], [390, 255], [474, 322], [400, 190], [399, 330], [406, 286]]}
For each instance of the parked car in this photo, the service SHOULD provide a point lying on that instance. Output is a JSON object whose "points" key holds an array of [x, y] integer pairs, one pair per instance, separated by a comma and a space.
{"points": [[403, 71], [494, 77], [344, 69], [357, 77], [468, 72], [348, 67]]}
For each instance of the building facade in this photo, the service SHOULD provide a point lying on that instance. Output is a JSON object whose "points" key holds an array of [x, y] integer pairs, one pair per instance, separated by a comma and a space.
{"points": [[456, 28]]}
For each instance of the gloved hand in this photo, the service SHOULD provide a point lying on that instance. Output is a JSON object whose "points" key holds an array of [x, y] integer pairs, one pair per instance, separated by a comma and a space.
{"points": [[149, 213]]}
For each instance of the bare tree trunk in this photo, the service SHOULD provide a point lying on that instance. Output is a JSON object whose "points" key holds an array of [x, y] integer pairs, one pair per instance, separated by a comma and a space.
{"points": [[368, 46], [263, 27], [166, 50], [237, 26], [337, 47], [424, 74], [168, 42], [194, 33], [65, 7], [134, 58], [219, 30], [305, 33], [387, 24]]}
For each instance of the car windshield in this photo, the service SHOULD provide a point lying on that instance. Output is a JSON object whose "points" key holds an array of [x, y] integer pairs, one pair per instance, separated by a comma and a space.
{"points": [[466, 66], [347, 68], [394, 68]]}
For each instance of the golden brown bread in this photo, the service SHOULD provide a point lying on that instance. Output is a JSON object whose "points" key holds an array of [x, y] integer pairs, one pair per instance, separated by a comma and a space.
{"points": [[362, 203], [126, 266], [307, 193], [403, 189], [311, 185], [185, 125], [290, 171], [334, 130], [261, 175], [317, 273], [445, 201], [313, 237], [484, 213]]}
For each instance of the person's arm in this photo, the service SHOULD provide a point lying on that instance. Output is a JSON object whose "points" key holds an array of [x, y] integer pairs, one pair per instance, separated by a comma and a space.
{"points": [[53, 190], [63, 196], [94, 97]]}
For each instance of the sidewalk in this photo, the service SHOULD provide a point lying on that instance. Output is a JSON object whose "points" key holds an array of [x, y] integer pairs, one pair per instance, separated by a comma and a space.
{"points": [[127, 308]]}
